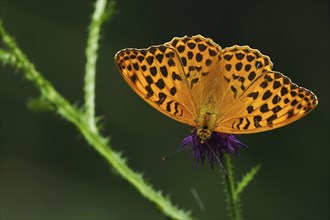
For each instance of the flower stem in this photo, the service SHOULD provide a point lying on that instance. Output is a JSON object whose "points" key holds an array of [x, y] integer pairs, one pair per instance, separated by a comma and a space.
{"points": [[91, 58], [233, 203]]}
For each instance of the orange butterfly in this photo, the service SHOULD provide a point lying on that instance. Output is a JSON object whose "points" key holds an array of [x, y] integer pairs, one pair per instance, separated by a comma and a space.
{"points": [[217, 91]]}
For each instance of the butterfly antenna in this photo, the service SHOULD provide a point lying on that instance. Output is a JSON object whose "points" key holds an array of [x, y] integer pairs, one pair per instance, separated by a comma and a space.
{"points": [[217, 159], [171, 155], [183, 147]]}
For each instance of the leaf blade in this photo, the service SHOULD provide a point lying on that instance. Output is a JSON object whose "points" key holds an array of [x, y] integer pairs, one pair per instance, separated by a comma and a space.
{"points": [[247, 178]]}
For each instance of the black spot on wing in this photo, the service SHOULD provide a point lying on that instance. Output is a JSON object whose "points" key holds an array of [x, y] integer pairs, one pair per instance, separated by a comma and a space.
{"points": [[208, 62], [249, 109], [253, 95], [153, 70], [191, 45], [228, 67], [247, 124], [134, 78], [190, 55], [234, 90], [175, 42], [160, 57], [199, 57], [266, 95], [247, 67], [293, 93], [252, 75], [239, 123], [176, 76], [161, 97], [284, 91], [168, 106], [193, 81], [163, 70], [173, 91], [294, 102], [250, 58], [228, 57], [149, 79], [170, 54], [181, 48], [150, 60], [136, 66], [201, 47], [264, 108], [264, 84], [256, 120], [276, 99], [184, 61], [276, 84], [239, 66], [140, 58], [160, 84], [240, 56], [150, 92], [171, 62], [276, 109], [271, 119], [212, 53], [176, 105]]}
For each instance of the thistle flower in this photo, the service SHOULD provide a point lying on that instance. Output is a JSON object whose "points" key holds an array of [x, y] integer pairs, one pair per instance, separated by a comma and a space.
{"points": [[214, 148]]}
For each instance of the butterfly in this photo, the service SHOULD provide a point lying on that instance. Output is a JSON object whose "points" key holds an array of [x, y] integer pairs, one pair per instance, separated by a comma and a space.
{"points": [[231, 91]]}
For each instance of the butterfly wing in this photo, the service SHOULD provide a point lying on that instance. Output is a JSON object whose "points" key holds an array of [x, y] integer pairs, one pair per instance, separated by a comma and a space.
{"points": [[201, 58], [255, 98], [157, 76]]}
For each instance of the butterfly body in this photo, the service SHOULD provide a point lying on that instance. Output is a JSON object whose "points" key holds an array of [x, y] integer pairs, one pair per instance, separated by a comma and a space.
{"points": [[206, 121]]}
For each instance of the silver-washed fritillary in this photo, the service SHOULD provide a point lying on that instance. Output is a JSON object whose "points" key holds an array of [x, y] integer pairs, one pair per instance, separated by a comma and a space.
{"points": [[196, 82]]}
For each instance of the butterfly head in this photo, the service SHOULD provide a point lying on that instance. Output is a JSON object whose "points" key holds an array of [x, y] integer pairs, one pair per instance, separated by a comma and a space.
{"points": [[203, 134]]}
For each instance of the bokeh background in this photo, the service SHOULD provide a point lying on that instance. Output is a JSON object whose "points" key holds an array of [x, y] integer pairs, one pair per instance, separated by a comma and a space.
{"points": [[48, 171]]}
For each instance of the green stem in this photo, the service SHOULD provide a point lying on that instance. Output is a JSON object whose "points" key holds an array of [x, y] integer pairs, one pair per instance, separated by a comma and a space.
{"points": [[91, 58], [13, 56], [231, 198]]}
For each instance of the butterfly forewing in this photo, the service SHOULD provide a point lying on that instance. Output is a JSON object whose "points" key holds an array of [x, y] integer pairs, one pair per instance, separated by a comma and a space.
{"points": [[157, 76]]}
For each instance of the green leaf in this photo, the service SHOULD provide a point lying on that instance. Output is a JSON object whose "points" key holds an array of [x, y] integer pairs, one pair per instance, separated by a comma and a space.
{"points": [[246, 180], [40, 105]]}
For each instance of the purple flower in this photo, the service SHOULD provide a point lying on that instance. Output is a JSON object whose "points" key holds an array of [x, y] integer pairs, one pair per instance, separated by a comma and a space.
{"points": [[214, 148]]}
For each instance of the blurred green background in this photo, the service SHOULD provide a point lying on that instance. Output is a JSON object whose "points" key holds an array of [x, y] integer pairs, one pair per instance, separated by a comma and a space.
{"points": [[48, 171]]}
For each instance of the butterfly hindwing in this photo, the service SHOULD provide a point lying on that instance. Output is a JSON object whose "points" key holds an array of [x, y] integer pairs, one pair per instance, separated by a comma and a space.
{"points": [[199, 56], [257, 98]]}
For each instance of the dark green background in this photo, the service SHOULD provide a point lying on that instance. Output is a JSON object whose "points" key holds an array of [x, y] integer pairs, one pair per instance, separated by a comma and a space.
{"points": [[49, 172]]}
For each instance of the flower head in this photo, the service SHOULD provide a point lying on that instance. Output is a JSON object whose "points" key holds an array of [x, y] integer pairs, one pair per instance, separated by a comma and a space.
{"points": [[214, 148]]}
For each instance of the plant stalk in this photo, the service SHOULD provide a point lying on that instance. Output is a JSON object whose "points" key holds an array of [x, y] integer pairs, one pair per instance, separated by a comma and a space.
{"points": [[233, 204]]}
